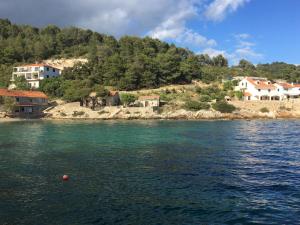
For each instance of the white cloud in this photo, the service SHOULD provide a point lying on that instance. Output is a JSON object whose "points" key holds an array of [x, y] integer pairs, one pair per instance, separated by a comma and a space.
{"points": [[214, 52], [242, 36], [218, 9], [174, 27], [244, 49]]}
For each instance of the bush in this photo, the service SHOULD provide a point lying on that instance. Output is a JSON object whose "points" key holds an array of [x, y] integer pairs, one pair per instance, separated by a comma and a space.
{"points": [[204, 98], [195, 106], [239, 95], [223, 107], [127, 98], [78, 113], [63, 114], [264, 110]]}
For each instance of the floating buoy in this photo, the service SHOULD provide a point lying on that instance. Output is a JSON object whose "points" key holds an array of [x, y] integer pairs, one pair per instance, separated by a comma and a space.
{"points": [[65, 177]]}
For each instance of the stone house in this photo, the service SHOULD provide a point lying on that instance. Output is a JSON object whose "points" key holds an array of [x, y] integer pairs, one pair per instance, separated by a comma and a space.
{"points": [[149, 101], [96, 102]]}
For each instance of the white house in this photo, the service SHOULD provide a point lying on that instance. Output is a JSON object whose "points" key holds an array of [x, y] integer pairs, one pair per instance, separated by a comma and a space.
{"points": [[33, 73], [259, 89], [149, 101], [255, 88]]}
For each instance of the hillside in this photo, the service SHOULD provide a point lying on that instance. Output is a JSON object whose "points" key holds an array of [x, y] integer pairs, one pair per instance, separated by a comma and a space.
{"points": [[130, 63]]}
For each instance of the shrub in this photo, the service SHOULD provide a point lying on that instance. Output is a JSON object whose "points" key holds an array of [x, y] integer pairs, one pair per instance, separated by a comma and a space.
{"points": [[63, 114], [195, 106], [78, 113], [264, 110], [239, 95], [127, 98], [102, 112], [204, 98], [223, 107]]}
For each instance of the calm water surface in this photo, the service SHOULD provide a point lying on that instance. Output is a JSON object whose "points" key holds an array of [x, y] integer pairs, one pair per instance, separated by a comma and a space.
{"points": [[153, 172]]}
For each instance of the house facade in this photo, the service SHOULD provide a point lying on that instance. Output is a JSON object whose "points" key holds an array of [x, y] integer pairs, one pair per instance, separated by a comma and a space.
{"points": [[34, 73], [149, 101], [26, 103], [255, 88], [113, 98]]}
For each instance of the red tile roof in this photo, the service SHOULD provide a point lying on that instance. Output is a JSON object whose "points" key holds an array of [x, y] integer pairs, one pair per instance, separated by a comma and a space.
{"points": [[286, 85], [113, 93], [26, 94], [150, 97], [260, 83], [246, 94]]}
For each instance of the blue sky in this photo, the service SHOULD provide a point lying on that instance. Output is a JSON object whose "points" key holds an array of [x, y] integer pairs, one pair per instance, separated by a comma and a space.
{"points": [[261, 31]]}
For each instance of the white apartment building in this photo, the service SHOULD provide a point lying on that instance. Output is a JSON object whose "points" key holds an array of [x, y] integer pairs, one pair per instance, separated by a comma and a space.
{"points": [[255, 88], [34, 73]]}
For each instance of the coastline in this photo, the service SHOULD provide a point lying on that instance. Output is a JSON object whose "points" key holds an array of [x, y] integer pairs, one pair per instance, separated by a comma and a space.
{"points": [[245, 111]]}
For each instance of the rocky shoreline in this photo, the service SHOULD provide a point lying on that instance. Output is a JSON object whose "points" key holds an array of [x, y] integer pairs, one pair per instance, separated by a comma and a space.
{"points": [[245, 111]]}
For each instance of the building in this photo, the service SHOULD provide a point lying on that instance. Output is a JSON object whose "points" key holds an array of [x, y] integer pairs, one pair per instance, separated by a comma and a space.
{"points": [[149, 101], [113, 98], [26, 103], [34, 73], [255, 88]]}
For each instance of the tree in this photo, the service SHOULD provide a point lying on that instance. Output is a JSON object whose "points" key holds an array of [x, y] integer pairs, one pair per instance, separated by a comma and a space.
{"points": [[220, 61], [246, 65], [9, 104], [127, 98], [21, 83]]}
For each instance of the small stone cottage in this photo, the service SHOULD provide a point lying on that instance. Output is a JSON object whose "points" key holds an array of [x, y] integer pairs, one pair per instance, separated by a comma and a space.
{"points": [[149, 101], [96, 102]]}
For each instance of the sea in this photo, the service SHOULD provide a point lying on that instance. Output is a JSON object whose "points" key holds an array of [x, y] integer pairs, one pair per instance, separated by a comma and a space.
{"points": [[150, 172]]}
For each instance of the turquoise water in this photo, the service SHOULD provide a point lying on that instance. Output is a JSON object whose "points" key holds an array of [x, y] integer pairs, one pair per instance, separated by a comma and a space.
{"points": [[151, 172]]}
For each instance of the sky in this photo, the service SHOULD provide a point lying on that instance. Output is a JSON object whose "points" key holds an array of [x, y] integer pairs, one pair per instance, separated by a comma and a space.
{"points": [[261, 31]]}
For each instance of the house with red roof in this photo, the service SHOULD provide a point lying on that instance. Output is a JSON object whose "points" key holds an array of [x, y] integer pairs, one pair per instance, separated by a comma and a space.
{"points": [[34, 73], [25, 103], [149, 101], [257, 88]]}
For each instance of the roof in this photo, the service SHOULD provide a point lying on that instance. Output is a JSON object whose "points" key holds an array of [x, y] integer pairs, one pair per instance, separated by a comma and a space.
{"points": [[150, 97], [296, 85], [37, 64], [285, 85], [246, 94], [26, 94], [260, 83], [113, 93]]}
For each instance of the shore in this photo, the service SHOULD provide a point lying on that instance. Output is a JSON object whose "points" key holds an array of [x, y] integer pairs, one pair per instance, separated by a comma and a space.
{"points": [[245, 110]]}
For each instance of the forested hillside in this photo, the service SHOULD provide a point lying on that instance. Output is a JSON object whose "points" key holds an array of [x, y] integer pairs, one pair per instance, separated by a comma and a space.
{"points": [[127, 64]]}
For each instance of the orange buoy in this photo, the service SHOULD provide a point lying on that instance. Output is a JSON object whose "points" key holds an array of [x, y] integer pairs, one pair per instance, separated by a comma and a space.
{"points": [[65, 177]]}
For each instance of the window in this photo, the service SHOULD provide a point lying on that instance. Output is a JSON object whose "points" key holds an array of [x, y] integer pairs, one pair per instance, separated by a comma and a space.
{"points": [[259, 90], [30, 100], [278, 90], [242, 84], [47, 68], [269, 90], [17, 99], [47, 76], [53, 70]]}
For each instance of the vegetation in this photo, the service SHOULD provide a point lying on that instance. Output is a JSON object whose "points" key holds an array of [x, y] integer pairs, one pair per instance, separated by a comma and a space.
{"points": [[126, 98], [129, 63], [264, 110], [9, 104], [78, 113], [223, 107], [195, 106]]}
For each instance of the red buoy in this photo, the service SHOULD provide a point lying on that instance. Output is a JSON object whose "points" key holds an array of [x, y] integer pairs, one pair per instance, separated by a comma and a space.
{"points": [[65, 177]]}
